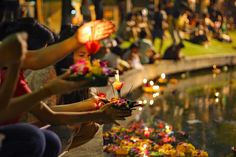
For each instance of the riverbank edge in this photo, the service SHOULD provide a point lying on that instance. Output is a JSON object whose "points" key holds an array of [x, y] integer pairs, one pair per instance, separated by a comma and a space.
{"points": [[133, 79]]}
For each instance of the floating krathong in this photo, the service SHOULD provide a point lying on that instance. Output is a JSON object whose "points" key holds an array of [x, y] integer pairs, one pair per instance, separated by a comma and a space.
{"points": [[157, 140]]}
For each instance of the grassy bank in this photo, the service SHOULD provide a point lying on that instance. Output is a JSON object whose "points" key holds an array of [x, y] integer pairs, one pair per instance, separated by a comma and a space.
{"points": [[214, 47]]}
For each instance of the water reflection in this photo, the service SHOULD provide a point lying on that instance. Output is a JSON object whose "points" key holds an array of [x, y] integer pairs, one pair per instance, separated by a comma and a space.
{"points": [[203, 106]]}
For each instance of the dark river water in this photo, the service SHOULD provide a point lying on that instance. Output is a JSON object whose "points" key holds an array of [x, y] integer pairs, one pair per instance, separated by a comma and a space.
{"points": [[202, 104]]}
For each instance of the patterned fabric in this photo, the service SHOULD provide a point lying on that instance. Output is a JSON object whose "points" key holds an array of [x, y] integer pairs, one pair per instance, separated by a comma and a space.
{"points": [[37, 79]]}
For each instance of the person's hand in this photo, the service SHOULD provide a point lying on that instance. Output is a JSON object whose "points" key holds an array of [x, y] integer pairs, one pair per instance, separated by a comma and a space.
{"points": [[61, 86], [94, 30], [13, 48], [110, 114]]}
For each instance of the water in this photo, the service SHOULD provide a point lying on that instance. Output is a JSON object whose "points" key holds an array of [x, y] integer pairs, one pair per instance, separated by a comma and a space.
{"points": [[203, 105]]}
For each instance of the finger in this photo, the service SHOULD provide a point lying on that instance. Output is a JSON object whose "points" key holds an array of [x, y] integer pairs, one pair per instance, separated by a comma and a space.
{"points": [[123, 112], [65, 75], [105, 26], [121, 115], [119, 118], [116, 123], [100, 37], [107, 32]]}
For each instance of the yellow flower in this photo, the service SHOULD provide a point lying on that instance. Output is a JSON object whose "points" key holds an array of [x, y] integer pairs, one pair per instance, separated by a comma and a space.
{"points": [[96, 70]]}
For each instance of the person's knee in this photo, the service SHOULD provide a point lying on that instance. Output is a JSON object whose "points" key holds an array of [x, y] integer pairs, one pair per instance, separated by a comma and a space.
{"points": [[53, 144], [90, 129], [25, 136]]}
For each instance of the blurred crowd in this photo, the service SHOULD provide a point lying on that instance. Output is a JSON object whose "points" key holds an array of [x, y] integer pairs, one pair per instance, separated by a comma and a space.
{"points": [[171, 20]]}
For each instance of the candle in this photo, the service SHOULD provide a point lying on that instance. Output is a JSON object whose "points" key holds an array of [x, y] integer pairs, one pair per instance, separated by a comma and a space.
{"points": [[151, 102], [92, 45], [117, 77], [145, 81], [163, 76], [151, 83], [117, 84], [146, 132], [88, 31]]}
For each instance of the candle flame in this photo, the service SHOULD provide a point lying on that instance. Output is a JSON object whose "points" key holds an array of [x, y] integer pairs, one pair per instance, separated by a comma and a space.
{"points": [[163, 75]]}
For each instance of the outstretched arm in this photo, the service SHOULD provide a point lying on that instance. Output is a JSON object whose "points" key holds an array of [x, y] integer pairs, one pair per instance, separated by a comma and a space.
{"points": [[24, 103], [44, 57], [85, 105], [106, 114]]}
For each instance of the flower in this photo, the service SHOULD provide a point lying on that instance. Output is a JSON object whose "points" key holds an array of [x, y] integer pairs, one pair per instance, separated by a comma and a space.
{"points": [[118, 85], [92, 47]]}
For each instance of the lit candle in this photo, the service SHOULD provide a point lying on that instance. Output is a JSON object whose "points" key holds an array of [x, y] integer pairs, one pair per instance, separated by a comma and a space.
{"points": [[92, 45], [151, 83], [146, 132], [163, 76], [151, 102], [117, 77], [117, 84], [168, 129], [145, 81], [217, 94], [88, 31]]}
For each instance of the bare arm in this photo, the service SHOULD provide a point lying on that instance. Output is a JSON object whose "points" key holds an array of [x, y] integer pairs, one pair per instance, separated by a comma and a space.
{"points": [[24, 103], [105, 114], [47, 56], [8, 87], [86, 105], [46, 115], [44, 57]]}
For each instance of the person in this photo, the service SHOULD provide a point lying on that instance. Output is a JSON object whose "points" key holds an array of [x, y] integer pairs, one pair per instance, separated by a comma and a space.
{"points": [[199, 34], [174, 10], [134, 59], [173, 52], [160, 24], [146, 48], [73, 113], [21, 139]]}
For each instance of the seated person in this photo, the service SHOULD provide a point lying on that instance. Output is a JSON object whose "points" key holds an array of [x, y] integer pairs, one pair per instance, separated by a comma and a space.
{"points": [[173, 52], [134, 59], [64, 114], [199, 35], [146, 48], [20, 139]]}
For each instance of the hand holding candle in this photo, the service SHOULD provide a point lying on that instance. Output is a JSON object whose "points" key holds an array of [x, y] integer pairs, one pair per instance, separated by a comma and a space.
{"points": [[94, 30]]}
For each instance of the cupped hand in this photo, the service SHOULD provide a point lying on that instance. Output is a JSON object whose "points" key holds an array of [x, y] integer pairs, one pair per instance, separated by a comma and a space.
{"points": [[110, 114], [94, 30]]}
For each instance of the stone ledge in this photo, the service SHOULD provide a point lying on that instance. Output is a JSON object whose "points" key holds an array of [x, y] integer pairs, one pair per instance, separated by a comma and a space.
{"points": [[134, 78]]}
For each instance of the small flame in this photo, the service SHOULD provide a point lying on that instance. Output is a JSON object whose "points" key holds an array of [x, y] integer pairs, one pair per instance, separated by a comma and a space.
{"points": [[163, 75]]}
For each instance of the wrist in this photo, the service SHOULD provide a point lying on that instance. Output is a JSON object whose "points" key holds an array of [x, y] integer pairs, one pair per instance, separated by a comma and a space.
{"points": [[99, 114], [75, 41], [46, 90]]}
